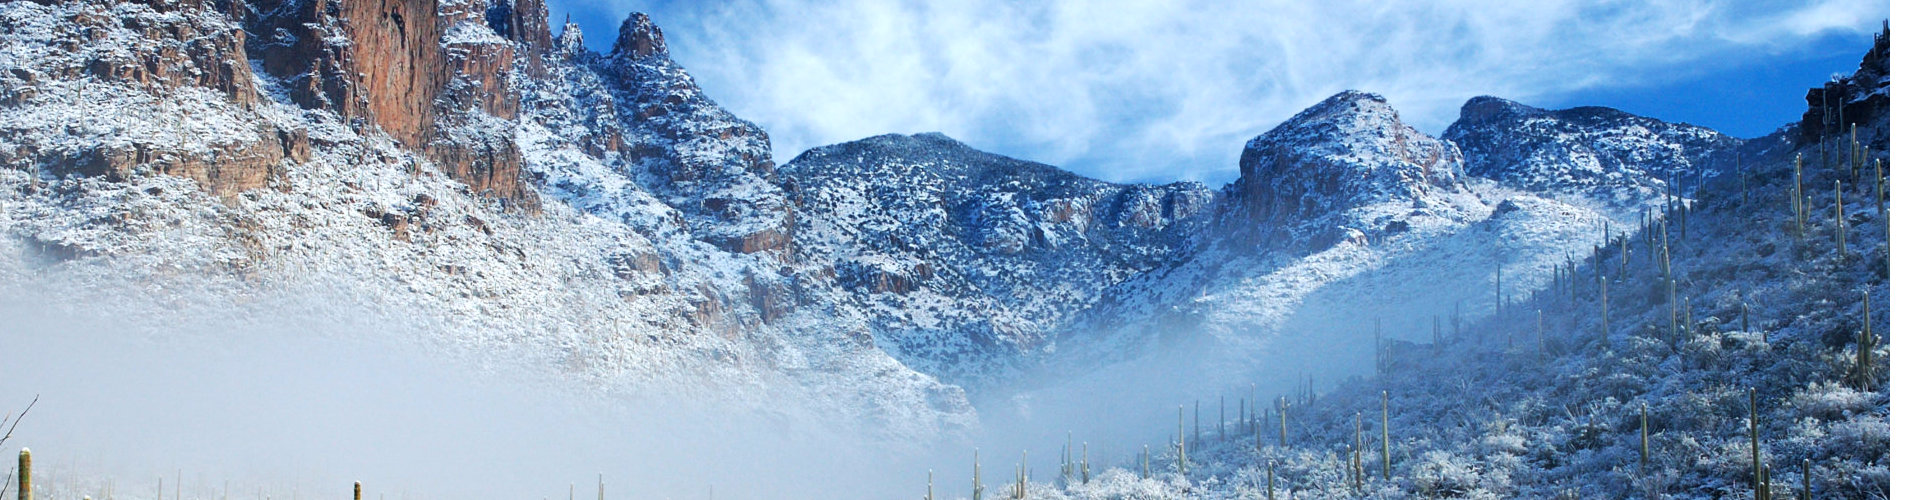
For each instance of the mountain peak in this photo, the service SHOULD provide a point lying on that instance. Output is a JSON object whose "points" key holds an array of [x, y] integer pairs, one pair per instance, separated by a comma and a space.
{"points": [[571, 42], [639, 38], [1348, 151], [1611, 155], [1488, 108]]}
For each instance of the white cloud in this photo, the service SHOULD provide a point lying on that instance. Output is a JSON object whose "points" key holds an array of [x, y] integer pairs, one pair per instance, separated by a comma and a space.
{"points": [[1143, 89]]}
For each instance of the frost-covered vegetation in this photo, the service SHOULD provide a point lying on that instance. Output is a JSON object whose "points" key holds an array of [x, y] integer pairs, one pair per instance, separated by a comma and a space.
{"points": [[1649, 367]]}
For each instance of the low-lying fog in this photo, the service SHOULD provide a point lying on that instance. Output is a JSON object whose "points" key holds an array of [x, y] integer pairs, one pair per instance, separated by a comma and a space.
{"points": [[294, 407]]}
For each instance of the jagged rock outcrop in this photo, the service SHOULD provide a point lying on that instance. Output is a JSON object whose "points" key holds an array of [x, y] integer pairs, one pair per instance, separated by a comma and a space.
{"points": [[1613, 157], [376, 61], [1350, 151], [639, 105], [1861, 99]]}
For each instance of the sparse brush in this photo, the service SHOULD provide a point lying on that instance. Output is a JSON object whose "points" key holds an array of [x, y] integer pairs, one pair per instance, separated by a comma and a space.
{"points": [[1806, 479]]}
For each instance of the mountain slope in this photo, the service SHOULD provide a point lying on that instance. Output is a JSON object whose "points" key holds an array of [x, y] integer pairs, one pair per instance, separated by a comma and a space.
{"points": [[1619, 159], [1660, 365]]}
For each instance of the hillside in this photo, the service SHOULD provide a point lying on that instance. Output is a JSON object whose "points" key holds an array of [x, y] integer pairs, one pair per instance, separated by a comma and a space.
{"points": [[1649, 368]]}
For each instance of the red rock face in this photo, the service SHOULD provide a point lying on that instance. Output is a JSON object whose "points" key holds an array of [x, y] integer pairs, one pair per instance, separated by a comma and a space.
{"points": [[385, 74], [394, 73]]}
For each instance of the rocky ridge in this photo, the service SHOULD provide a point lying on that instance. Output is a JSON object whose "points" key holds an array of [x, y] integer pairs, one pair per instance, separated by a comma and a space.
{"points": [[454, 159]]}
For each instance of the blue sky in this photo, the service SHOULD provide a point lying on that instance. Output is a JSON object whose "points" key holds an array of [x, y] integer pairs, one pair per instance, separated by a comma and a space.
{"points": [[1156, 91]]}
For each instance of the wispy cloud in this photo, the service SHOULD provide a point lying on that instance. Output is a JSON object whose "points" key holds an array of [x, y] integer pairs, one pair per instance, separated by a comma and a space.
{"points": [[1149, 89]]}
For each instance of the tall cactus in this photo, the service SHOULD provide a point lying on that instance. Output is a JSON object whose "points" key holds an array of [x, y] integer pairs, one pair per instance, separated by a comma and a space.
{"points": [[1540, 330], [1606, 328], [977, 489], [1283, 421], [1086, 465], [1853, 153], [1753, 433], [1863, 346], [356, 490], [1181, 431], [1358, 470], [1386, 448], [1839, 221], [1269, 480], [1799, 204], [1644, 448], [26, 474], [1879, 189]]}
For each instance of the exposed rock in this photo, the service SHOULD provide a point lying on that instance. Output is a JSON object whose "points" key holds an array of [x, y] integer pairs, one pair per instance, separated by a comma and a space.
{"points": [[1613, 157], [1023, 247], [373, 60], [639, 38], [1348, 151], [1861, 99]]}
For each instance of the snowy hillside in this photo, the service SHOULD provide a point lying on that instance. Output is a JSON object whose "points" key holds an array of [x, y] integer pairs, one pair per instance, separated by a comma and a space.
{"points": [[1748, 351], [511, 198]]}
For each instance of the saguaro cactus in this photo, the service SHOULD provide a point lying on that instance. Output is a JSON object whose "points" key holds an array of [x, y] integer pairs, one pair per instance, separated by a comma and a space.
{"points": [[1358, 470], [26, 474], [1386, 448], [1181, 430], [1643, 439], [1283, 421], [1606, 328], [1753, 433], [1269, 480], [356, 490], [1086, 465], [1863, 347], [1879, 189], [1799, 204], [1839, 221], [977, 489]]}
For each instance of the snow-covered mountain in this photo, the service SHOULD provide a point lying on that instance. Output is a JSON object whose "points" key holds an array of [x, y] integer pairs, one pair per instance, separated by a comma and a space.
{"points": [[1746, 357], [962, 261], [1598, 153], [511, 194]]}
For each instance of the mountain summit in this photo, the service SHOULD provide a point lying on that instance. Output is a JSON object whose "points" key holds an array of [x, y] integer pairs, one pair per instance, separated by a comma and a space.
{"points": [[1346, 152]]}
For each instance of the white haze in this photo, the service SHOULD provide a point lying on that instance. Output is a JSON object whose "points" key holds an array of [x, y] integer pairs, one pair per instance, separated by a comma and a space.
{"points": [[301, 406], [1131, 90], [303, 399]]}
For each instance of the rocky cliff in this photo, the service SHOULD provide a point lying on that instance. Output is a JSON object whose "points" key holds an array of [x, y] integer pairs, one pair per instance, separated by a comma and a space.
{"points": [[1302, 178]]}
